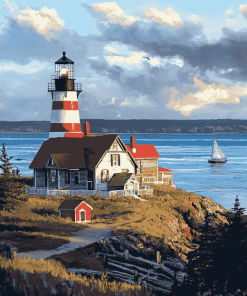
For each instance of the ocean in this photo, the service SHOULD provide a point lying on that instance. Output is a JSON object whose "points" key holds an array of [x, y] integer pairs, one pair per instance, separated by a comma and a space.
{"points": [[186, 154]]}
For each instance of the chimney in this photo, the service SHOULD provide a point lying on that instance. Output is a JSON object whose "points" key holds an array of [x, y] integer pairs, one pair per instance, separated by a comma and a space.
{"points": [[86, 129], [133, 143]]}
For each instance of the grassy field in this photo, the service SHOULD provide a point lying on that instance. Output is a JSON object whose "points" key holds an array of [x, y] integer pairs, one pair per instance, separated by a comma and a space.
{"points": [[169, 216]]}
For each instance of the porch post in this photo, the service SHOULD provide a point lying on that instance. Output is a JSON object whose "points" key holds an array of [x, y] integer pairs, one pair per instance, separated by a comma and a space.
{"points": [[34, 178], [58, 179]]}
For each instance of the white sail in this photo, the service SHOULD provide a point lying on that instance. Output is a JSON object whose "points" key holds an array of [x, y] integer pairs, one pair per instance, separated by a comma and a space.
{"points": [[216, 151]]}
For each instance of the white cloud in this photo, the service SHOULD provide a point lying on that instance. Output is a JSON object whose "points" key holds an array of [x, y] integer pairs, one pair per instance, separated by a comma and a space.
{"points": [[30, 68], [135, 58], [11, 6], [230, 15], [125, 103], [42, 20], [243, 10], [208, 94], [110, 49], [194, 18], [113, 12], [168, 17], [112, 102]]}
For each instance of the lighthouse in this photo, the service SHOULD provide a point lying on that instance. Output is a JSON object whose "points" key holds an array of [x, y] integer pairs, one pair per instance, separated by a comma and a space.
{"points": [[65, 117]]}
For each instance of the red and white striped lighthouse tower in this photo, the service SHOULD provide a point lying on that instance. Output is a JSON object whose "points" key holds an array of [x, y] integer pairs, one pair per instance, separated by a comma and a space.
{"points": [[65, 118]]}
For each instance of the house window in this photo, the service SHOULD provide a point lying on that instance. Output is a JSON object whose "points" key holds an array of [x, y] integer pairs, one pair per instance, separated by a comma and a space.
{"points": [[104, 175], [67, 177], [114, 146], [77, 178], [115, 159], [53, 175]]}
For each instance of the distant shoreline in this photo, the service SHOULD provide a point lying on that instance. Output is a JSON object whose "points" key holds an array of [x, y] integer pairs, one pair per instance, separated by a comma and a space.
{"points": [[22, 133]]}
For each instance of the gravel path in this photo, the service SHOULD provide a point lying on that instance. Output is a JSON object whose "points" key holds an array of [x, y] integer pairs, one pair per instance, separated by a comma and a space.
{"points": [[83, 238]]}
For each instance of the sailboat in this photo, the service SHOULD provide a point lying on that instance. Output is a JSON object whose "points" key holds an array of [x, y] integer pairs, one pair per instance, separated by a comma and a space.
{"points": [[217, 155]]}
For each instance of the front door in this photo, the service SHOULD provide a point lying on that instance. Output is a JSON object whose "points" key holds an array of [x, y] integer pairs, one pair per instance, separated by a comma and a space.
{"points": [[83, 218], [89, 185], [53, 179]]}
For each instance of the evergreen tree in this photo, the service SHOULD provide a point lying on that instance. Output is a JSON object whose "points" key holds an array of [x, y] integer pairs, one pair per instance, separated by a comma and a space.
{"points": [[17, 172], [237, 210], [6, 165], [9, 188]]}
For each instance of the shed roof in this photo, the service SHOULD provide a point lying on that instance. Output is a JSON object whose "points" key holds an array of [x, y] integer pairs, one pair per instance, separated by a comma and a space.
{"points": [[143, 151], [160, 169], [72, 153], [72, 204], [119, 179]]}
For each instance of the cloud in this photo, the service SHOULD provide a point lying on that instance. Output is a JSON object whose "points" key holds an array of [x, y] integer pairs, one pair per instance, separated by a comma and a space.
{"points": [[110, 49], [230, 15], [194, 18], [207, 95], [30, 68], [43, 21], [112, 102], [112, 12], [125, 103], [243, 10], [135, 58], [168, 18]]}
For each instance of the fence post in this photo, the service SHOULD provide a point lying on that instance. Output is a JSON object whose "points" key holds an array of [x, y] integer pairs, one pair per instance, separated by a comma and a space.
{"points": [[159, 257], [126, 254], [105, 260], [135, 275]]}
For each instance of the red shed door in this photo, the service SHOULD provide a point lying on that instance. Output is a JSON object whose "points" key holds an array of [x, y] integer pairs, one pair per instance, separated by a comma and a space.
{"points": [[83, 217]]}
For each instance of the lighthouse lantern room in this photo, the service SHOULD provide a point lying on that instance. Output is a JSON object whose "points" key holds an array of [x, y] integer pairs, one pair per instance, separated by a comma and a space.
{"points": [[65, 118]]}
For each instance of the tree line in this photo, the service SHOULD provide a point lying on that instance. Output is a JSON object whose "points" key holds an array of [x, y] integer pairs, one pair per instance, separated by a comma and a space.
{"points": [[218, 264]]}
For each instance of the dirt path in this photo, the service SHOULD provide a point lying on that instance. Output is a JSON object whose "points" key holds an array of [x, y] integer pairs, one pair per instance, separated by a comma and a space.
{"points": [[82, 238]]}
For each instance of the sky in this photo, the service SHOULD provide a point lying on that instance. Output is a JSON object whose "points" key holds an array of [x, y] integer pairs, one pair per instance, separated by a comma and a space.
{"points": [[134, 59]]}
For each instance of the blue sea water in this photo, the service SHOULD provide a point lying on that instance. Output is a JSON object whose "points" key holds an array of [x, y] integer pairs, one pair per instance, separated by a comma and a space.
{"points": [[186, 154]]}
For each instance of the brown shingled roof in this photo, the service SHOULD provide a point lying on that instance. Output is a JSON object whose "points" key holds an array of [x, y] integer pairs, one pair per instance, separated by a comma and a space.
{"points": [[119, 179], [72, 153]]}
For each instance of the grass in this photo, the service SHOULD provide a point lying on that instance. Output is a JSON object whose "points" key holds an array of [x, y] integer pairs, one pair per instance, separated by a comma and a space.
{"points": [[31, 241], [170, 215], [81, 258], [40, 277]]}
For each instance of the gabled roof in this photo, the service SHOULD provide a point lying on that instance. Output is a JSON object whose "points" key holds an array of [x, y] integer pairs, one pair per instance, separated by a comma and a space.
{"points": [[164, 170], [143, 151], [119, 179], [71, 153], [72, 204]]}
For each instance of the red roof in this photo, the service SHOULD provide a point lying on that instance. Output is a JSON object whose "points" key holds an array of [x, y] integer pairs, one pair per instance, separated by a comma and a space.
{"points": [[144, 151], [163, 170]]}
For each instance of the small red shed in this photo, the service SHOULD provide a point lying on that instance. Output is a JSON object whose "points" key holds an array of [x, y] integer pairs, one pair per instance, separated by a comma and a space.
{"points": [[77, 210]]}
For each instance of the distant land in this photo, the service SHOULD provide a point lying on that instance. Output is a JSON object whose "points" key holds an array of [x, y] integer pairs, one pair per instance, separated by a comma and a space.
{"points": [[133, 126]]}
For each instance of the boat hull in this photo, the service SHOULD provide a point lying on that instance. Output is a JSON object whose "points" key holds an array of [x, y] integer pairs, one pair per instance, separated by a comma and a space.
{"points": [[217, 160]]}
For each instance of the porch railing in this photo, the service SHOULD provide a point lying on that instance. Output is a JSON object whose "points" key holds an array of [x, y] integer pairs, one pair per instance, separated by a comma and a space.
{"points": [[105, 193]]}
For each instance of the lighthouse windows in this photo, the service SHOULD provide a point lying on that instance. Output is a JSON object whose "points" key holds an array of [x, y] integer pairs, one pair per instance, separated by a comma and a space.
{"points": [[64, 72]]}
